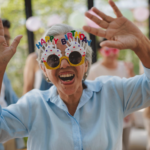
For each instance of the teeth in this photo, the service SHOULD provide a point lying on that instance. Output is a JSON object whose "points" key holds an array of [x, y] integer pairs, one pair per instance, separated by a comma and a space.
{"points": [[67, 80], [66, 75]]}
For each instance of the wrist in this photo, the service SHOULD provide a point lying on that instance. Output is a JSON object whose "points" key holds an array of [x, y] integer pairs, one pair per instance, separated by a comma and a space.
{"points": [[143, 43], [143, 51], [2, 70]]}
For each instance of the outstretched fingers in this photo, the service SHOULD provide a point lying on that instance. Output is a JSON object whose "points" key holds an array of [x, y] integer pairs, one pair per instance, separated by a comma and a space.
{"points": [[112, 44], [97, 20], [102, 15], [115, 8], [95, 31], [15, 43]]}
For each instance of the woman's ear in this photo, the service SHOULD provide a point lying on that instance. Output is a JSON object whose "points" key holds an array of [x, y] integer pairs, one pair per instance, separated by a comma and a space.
{"points": [[44, 70]]}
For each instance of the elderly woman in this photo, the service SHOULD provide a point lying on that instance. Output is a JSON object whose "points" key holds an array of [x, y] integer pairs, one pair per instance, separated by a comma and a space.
{"points": [[77, 114]]}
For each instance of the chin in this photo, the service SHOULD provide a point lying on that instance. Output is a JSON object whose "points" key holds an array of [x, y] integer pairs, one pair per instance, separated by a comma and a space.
{"points": [[69, 91]]}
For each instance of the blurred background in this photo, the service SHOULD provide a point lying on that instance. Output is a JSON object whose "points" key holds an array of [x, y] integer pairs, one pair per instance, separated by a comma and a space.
{"points": [[46, 13], [32, 17]]}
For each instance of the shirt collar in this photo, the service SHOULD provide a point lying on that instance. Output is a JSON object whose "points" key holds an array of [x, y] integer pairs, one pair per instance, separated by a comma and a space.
{"points": [[92, 86]]}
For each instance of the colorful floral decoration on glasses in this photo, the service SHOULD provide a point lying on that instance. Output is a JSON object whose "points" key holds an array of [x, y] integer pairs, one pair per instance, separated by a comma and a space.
{"points": [[74, 53]]}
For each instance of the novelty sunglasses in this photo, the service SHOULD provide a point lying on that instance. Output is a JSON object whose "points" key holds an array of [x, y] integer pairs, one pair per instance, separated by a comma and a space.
{"points": [[74, 53], [53, 61]]}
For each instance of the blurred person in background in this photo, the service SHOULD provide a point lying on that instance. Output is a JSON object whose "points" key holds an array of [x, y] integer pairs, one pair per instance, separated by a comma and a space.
{"points": [[7, 95], [110, 65], [33, 76]]}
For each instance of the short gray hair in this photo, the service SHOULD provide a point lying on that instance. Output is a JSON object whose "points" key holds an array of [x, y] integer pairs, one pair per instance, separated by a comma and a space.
{"points": [[59, 29]]}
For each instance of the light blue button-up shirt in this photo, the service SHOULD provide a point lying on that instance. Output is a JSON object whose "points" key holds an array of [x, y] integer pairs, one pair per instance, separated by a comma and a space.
{"points": [[11, 98], [96, 125]]}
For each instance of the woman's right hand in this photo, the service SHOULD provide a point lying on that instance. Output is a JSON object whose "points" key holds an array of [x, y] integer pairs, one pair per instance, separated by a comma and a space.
{"points": [[6, 52]]}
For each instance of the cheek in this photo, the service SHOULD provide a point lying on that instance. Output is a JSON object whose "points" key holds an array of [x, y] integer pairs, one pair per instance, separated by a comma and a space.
{"points": [[81, 70], [51, 75]]}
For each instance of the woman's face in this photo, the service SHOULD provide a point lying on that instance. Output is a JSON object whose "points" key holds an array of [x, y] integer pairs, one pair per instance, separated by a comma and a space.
{"points": [[56, 76]]}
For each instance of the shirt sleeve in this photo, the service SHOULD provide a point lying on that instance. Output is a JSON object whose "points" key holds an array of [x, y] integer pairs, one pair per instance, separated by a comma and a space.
{"points": [[15, 120], [10, 95], [136, 92]]}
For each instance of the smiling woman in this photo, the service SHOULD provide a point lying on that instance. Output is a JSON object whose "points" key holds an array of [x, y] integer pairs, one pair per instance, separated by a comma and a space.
{"points": [[65, 59], [70, 116]]}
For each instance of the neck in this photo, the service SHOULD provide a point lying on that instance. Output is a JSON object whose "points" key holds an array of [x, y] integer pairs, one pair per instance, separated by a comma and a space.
{"points": [[110, 64], [72, 100]]}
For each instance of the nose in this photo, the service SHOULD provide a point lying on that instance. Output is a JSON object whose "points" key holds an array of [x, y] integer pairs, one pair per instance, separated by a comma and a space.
{"points": [[64, 63], [112, 53]]}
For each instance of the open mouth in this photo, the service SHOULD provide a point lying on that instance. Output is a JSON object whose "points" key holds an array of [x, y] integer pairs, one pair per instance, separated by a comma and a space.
{"points": [[67, 77]]}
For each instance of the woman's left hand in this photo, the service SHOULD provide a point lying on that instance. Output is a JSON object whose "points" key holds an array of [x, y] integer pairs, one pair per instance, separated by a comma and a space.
{"points": [[120, 32]]}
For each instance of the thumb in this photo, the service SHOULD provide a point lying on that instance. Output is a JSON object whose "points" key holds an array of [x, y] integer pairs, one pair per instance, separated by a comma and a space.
{"points": [[15, 42], [111, 44]]}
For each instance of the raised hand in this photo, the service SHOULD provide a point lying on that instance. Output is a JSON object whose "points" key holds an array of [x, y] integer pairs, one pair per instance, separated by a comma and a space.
{"points": [[6, 52], [120, 32]]}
